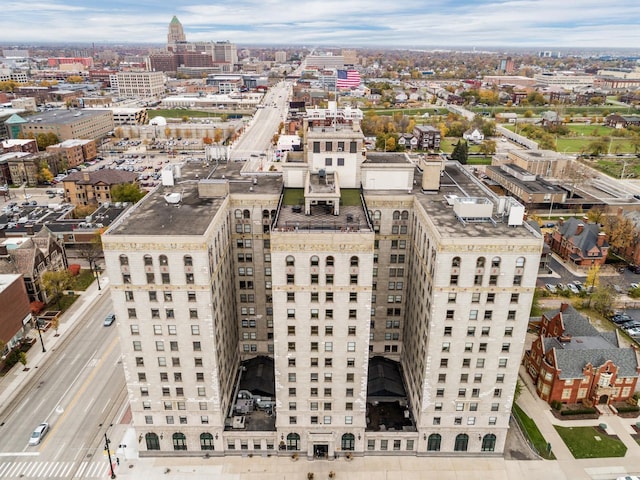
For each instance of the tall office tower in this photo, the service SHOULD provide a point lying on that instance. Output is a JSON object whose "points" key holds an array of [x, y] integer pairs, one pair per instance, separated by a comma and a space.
{"points": [[358, 303], [176, 32]]}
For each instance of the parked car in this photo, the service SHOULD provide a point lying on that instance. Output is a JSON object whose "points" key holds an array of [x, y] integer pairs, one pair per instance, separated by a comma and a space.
{"points": [[551, 288], [560, 286], [634, 268], [39, 433], [633, 332], [620, 319], [633, 286], [578, 283], [616, 288], [109, 319], [573, 288]]}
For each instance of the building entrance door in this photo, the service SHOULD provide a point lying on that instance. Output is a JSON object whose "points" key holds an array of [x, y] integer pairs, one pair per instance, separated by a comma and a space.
{"points": [[321, 450]]}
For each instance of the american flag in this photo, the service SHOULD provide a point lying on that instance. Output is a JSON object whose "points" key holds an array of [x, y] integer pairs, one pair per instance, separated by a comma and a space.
{"points": [[348, 79]]}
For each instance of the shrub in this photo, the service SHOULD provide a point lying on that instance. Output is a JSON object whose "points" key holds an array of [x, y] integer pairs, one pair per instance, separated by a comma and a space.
{"points": [[578, 411], [556, 404]]}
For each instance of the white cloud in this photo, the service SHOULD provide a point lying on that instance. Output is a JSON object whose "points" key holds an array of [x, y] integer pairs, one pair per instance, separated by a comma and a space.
{"points": [[586, 23]]}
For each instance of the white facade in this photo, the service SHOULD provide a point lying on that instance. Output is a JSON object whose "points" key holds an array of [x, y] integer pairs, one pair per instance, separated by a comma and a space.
{"points": [[138, 84]]}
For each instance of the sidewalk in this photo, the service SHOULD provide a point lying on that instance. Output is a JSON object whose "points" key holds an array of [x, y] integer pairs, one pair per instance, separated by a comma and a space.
{"points": [[599, 468], [13, 382]]}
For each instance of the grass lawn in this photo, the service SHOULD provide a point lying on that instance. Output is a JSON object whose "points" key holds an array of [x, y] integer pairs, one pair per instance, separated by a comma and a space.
{"points": [[588, 442], [64, 303], [589, 130], [176, 113], [295, 196], [613, 167], [83, 280], [531, 431], [479, 161]]}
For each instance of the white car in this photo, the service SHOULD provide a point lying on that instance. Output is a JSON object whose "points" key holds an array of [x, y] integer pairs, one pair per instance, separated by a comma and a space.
{"points": [[551, 288], [573, 288], [633, 286], [39, 433]]}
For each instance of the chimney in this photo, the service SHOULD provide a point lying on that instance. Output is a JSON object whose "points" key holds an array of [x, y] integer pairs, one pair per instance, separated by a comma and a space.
{"points": [[29, 229], [85, 176], [564, 306], [579, 229], [3, 251], [601, 238], [560, 220]]}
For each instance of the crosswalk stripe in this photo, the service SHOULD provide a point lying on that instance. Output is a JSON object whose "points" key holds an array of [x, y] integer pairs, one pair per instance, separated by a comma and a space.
{"points": [[80, 471], [67, 470], [62, 470]]}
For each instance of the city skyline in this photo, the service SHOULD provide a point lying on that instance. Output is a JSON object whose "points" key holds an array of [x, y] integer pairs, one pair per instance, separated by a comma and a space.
{"points": [[537, 23]]}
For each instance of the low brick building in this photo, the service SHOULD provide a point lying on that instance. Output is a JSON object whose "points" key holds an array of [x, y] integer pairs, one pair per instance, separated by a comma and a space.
{"points": [[580, 242], [91, 188], [572, 362]]}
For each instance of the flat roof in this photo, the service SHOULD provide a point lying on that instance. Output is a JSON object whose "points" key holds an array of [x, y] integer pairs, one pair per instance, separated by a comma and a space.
{"points": [[456, 181], [154, 216], [64, 116]]}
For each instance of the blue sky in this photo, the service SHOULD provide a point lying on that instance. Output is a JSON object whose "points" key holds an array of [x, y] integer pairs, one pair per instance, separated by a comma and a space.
{"points": [[346, 23]]}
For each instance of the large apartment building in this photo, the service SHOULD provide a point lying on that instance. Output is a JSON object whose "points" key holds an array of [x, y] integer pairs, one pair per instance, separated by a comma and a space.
{"points": [[354, 303]]}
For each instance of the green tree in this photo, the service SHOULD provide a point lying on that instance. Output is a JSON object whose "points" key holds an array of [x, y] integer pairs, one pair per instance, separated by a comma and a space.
{"points": [[91, 251], [127, 192], [55, 283], [593, 277], [460, 152], [602, 299], [599, 146], [23, 358], [488, 147], [46, 139]]}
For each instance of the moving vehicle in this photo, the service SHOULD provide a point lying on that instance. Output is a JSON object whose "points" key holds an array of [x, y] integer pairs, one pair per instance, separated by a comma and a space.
{"points": [[39, 433], [109, 319]]}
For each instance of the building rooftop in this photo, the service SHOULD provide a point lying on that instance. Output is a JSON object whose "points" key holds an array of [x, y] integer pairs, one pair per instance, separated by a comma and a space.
{"points": [[456, 182], [192, 213], [64, 117]]}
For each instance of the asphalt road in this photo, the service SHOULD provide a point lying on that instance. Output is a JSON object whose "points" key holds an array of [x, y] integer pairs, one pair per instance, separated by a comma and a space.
{"points": [[79, 390]]}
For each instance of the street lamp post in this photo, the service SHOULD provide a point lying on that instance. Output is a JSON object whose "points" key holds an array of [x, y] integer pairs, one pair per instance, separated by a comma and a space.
{"points": [[44, 350], [96, 271], [106, 447]]}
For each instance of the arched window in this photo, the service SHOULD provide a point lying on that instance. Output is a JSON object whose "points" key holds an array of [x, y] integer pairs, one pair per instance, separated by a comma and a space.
{"points": [[206, 441], [124, 260], [405, 215], [148, 260], [290, 261], [377, 215], [188, 261], [489, 443], [348, 441], [164, 261], [246, 214], [480, 262], [354, 261], [153, 442], [396, 215], [315, 261], [273, 214], [462, 442], [265, 213], [329, 261], [495, 262], [433, 445], [520, 262], [293, 441], [238, 213], [179, 441], [455, 262]]}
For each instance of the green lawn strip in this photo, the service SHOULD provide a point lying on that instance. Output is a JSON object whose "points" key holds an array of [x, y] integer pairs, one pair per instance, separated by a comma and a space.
{"points": [[588, 442], [83, 280], [295, 196], [533, 433]]}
